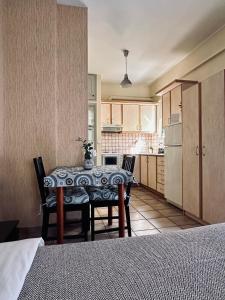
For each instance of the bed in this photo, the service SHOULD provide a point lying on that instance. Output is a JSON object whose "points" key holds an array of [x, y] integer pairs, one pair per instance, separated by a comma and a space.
{"points": [[187, 264]]}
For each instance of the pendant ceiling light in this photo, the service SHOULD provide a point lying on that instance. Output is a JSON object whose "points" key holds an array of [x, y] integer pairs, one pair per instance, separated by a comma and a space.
{"points": [[125, 83]]}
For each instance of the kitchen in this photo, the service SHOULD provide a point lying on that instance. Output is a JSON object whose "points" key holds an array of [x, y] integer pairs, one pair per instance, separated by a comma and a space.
{"points": [[171, 113], [170, 135]]}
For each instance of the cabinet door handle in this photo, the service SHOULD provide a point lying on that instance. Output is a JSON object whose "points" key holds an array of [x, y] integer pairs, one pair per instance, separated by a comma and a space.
{"points": [[197, 150], [203, 150]]}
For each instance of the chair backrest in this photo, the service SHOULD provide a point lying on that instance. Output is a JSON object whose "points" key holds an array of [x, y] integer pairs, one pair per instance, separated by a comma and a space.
{"points": [[40, 173], [128, 165]]}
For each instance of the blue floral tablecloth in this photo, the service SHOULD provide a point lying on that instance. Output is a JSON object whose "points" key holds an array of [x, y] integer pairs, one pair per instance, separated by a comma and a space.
{"points": [[77, 176]]}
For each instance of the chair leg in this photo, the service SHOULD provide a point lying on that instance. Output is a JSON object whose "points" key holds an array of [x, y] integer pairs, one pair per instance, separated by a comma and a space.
{"points": [[45, 222], [92, 222], [127, 209], [86, 221], [110, 215]]}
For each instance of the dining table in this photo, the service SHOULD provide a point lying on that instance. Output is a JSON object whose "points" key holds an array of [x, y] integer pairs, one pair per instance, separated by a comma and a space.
{"points": [[64, 177]]}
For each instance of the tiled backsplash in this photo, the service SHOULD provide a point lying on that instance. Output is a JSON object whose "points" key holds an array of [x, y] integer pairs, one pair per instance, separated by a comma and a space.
{"points": [[130, 143]]}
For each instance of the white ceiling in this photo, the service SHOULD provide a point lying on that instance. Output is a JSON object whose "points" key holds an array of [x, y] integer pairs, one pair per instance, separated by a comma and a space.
{"points": [[158, 33]]}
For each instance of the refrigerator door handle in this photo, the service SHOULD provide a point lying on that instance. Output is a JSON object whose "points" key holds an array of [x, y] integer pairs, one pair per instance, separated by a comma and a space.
{"points": [[203, 150], [197, 150]]}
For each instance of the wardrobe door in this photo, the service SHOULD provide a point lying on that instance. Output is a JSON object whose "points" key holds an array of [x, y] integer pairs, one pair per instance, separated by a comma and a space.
{"points": [[213, 148], [191, 150]]}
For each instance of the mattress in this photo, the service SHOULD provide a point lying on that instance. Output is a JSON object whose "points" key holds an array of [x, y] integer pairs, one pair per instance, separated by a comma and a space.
{"points": [[186, 264]]}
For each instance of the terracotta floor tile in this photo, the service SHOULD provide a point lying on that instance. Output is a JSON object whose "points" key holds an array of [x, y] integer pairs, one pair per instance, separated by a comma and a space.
{"points": [[115, 235], [141, 225], [132, 209], [182, 220], [147, 197], [160, 206], [99, 226], [190, 226], [134, 198], [136, 216], [102, 236], [169, 229], [105, 222], [102, 210], [144, 208], [140, 194], [162, 223], [146, 232], [99, 221], [170, 212], [151, 214], [137, 203], [150, 202]]}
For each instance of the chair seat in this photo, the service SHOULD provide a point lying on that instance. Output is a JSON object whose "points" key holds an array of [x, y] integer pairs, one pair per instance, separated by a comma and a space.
{"points": [[76, 195], [103, 193]]}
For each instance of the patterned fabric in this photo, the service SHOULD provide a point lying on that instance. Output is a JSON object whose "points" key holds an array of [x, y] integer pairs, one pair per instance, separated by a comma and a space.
{"points": [[103, 193], [77, 176], [182, 265], [76, 195]]}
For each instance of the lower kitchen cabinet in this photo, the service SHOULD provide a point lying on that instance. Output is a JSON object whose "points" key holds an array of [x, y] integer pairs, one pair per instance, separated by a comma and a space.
{"points": [[152, 172], [160, 175], [137, 170], [144, 170]]}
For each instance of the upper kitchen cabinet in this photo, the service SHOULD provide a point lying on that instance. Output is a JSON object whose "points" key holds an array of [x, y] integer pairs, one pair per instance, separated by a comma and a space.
{"points": [[213, 148], [172, 101], [106, 114], [148, 118], [131, 117], [92, 87], [166, 110], [159, 117], [175, 98], [117, 114]]}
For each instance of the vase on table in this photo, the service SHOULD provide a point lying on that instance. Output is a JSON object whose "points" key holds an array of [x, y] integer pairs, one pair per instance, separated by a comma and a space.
{"points": [[88, 163]]}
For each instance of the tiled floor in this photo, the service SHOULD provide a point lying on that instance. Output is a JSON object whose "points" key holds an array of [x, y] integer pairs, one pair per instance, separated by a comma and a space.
{"points": [[149, 215]]}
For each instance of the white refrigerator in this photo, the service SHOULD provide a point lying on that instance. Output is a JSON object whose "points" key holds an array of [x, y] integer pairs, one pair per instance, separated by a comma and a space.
{"points": [[173, 164]]}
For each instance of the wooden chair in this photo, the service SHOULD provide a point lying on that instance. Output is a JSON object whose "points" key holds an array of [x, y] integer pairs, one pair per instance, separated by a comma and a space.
{"points": [[108, 197], [75, 199]]}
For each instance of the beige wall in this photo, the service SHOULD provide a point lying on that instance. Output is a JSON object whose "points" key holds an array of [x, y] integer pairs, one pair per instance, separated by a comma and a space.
{"points": [[72, 94], [114, 89], [207, 59], [33, 124]]}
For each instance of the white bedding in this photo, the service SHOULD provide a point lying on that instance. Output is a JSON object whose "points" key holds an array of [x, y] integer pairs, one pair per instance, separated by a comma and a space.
{"points": [[15, 262]]}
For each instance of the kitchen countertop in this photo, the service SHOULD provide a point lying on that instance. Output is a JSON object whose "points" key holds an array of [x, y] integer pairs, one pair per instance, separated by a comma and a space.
{"points": [[148, 154], [151, 154]]}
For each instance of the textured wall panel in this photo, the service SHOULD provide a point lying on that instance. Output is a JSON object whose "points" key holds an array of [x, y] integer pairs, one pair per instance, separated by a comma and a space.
{"points": [[29, 108], [36, 117], [1, 95], [72, 83]]}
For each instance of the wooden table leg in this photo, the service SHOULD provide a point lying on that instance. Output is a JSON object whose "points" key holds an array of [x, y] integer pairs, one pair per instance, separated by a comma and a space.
{"points": [[110, 215], [121, 210], [60, 214]]}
